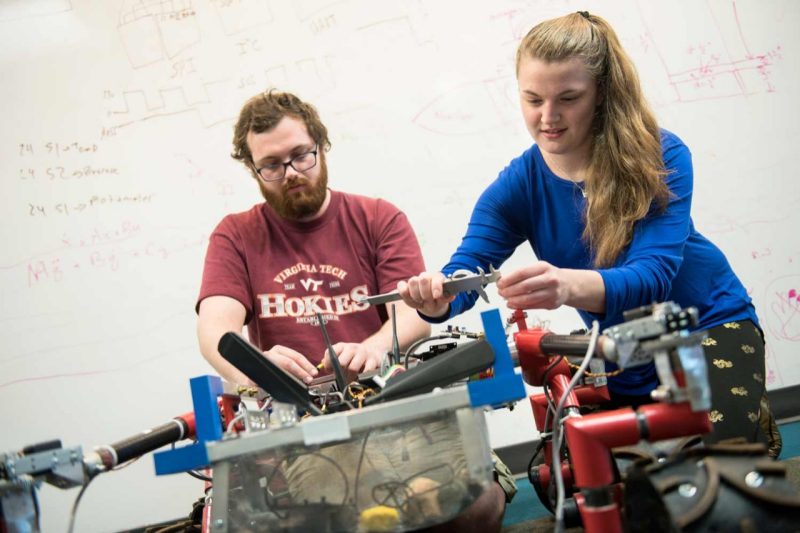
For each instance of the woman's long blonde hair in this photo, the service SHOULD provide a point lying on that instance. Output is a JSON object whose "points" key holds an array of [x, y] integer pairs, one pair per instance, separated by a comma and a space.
{"points": [[626, 171]]}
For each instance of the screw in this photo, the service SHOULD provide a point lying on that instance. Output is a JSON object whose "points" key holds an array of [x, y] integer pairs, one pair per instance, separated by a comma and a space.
{"points": [[754, 479], [687, 490]]}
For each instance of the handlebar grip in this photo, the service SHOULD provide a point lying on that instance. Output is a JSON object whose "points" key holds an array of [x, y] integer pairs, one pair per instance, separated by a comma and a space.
{"points": [[149, 440], [45, 446], [178, 428]]}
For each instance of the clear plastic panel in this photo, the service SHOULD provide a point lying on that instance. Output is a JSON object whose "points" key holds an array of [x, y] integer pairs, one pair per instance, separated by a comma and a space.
{"points": [[391, 478]]}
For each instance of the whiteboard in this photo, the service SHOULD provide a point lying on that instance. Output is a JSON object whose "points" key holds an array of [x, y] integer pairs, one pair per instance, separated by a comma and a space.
{"points": [[117, 123]]}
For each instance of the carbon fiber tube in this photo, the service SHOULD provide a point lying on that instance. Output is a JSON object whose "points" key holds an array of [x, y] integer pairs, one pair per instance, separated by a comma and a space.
{"points": [[149, 440], [565, 344]]}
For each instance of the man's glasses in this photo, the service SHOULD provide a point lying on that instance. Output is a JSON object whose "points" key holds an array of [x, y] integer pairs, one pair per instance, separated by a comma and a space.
{"points": [[277, 171]]}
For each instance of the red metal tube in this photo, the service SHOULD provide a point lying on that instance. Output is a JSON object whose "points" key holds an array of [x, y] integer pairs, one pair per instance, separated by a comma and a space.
{"points": [[531, 358], [559, 384], [591, 437], [666, 421], [605, 519], [539, 408]]}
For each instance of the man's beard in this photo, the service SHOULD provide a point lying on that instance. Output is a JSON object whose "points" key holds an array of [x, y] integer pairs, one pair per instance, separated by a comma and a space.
{"points": [[301, 205]]}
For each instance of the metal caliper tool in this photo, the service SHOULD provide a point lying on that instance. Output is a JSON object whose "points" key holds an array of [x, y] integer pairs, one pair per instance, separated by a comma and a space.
{"points": [[458, 281]]}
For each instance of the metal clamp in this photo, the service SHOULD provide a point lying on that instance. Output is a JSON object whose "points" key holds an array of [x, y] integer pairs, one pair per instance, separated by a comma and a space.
{"points": [[458, 281]]}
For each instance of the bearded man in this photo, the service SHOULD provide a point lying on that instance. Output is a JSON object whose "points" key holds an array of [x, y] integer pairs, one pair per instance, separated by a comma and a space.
{"points": [[306, 250]]}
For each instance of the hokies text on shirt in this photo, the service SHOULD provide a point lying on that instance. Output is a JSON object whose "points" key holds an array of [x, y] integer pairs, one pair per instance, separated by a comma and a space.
{"points": [[278, 305]]}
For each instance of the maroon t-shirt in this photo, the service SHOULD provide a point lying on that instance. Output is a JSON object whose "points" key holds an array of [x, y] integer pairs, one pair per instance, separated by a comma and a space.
{"points": [[283, 272]]}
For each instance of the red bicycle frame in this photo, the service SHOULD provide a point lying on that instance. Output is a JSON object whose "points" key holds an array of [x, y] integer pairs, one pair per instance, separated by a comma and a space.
{"points": [[589, 469]]}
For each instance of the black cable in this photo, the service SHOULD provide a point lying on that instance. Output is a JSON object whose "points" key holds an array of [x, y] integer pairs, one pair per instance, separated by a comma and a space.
{"points": [[410, 497], [320, 456], [178, 527], [269, 498], [198, 475], [550, 368], [550, 410], [390, 488], [286, 511], [417, 344], [533, 458], [546, 389]]}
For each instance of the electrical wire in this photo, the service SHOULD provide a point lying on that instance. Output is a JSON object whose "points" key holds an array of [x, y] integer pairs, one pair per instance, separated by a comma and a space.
{"points": [[74, 510], [551, 407], [289, 459], [126, 464], [411, 496], [36, 511], [363, 391], [533, 458], [197, 475], [358, 466], [558, 436], [234, 421], [410, 351], [547, 433]]}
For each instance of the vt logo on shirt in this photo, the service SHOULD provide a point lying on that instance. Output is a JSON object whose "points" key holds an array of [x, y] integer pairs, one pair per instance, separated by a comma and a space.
{"points": [[310, 284]]}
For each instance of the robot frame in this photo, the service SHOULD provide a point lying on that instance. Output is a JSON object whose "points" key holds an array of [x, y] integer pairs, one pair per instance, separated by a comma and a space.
{"points": [[290, 457]]}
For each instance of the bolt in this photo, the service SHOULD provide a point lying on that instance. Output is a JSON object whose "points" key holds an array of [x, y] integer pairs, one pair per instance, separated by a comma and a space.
{"points": [[754, 479]]}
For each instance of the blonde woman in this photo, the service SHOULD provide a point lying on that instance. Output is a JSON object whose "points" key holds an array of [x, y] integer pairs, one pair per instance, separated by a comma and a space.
{"points": [[603, 197]]}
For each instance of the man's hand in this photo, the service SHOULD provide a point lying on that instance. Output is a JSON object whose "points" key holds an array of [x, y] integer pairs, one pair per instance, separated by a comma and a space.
{"points": [[355, 358], [292, 362], [426, 294]]}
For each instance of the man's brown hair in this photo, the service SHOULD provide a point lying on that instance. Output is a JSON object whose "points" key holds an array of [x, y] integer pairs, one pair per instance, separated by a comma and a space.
{"points": [[263, 112]]}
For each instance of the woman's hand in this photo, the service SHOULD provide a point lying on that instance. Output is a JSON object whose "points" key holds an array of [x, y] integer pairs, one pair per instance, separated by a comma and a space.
{"points": [[536, 286], [425, 293]]}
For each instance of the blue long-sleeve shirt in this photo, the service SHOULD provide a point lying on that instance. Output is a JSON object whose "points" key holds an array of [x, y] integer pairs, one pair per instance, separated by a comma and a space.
{"points": [[667, 259]]}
